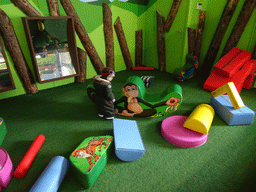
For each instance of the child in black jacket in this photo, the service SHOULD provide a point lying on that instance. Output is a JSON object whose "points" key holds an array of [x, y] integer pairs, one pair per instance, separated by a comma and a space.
{"points": [[104, 97]]}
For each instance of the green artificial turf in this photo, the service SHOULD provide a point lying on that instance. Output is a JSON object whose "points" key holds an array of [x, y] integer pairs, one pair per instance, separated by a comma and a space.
{"points": [[66, 116]]}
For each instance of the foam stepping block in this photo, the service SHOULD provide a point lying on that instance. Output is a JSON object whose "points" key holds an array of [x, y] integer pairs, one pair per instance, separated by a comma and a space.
{"points": [[215, 80], [232, 92], [200, 119], [224, 108], [53, 175], [3, 130], [90, 158], [174, 132], [6, 168], [228, 65], [250, 79], [128, 143]]}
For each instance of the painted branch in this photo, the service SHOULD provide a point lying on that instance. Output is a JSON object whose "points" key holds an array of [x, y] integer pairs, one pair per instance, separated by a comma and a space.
{"points": [[26, 8], [218, 36], [84, 37], [138, 48], [191, 40], [53, 7], [199, 32], [240, 25], [254, 53], [82, 55], [123, 44], [172, 14], [13, 47], [108, 34], [161, 41]]}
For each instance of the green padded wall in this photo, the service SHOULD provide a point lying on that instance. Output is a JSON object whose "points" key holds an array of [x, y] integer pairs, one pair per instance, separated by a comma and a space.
{"points": [[135, 15]]}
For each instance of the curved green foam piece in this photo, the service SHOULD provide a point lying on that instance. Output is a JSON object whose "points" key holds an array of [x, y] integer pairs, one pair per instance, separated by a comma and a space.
{"points": [[173, 91]]}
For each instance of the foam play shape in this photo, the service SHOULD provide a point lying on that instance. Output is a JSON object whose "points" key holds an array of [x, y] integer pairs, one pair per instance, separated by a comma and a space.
{"points": [[6, 168], [215, 80], [250, 79], [228, 65], [90, 158], [53, 175], [143, 68], [3, 130], [232, 92], [29, 157], [173, 91], [173, 131], [128, 143], [200, 119], [224, 108], [188, 70], [156, 101]]}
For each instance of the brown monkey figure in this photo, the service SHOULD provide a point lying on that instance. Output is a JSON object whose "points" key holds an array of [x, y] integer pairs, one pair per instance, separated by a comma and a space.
{"points": [[132, 107]]}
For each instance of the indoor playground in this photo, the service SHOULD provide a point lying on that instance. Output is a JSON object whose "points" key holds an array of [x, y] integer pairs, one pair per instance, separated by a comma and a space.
{"points": [[127, 95]]}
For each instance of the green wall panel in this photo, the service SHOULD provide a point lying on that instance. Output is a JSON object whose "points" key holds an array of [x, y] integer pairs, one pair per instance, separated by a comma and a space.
{"points": [[135, 15]]}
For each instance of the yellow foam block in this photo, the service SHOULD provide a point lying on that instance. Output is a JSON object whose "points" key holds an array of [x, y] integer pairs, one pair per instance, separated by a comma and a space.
{"points": [[232, 92], [200, 119]]}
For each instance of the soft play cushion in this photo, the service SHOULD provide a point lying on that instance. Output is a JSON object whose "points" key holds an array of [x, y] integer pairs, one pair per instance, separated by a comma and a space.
{"points": [[89, 159], [224, 108], [173, 131], [150, 104], [53, 175], [215, 80], [128, 142], [228, 65], [6, 168]]}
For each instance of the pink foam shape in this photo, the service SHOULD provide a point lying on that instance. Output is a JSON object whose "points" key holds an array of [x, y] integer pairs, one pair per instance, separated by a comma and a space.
{"points": [[173, 131]]}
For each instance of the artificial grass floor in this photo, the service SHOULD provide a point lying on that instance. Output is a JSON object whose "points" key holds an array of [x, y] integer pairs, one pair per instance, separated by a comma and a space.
{"points": [[66, 116]]}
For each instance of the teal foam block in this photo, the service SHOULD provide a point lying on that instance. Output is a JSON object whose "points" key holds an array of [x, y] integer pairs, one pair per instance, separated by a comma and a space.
{"points": [[128, 142], [223, 107], [3, 130]]}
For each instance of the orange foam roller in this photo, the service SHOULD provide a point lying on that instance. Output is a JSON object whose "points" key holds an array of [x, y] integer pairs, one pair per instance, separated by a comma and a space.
{"points": [[29, 157]]}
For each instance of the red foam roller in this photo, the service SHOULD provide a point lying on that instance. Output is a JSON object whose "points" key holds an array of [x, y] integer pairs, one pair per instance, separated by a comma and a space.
{"points": [[29, 157], [143, 68]]}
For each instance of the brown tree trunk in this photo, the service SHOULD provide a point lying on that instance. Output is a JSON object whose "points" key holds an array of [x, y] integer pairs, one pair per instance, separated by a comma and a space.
{"points": [[26, 8], [172, 14], [108, 34], [53, 7], [244, 16], [138, 48], [13, 47], [218, 36], [82, 65], [123, 44], [199, 32], [161, 41], [191, 40], [84, 37]]}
